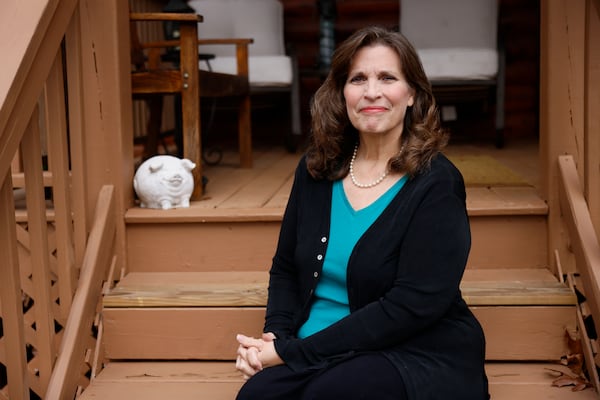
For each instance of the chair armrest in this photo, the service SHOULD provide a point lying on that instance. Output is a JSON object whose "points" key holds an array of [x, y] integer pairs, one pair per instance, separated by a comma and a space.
{"points": [[177, 17], [241, 51], [154, 56], [236, 41]]}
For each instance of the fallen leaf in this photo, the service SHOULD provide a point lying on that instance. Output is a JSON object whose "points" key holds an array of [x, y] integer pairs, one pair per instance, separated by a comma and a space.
{"points": [[574, 360], [564, 379]]}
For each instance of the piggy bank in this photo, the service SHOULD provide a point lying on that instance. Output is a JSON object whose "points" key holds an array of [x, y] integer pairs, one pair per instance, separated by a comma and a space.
{"points": [[164, 182]]}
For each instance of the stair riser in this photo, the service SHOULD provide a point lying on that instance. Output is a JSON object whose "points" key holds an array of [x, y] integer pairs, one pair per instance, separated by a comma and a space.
{"points": [[497, 242], [213, 246], [512, 333], [178, 333], [508, 242]]}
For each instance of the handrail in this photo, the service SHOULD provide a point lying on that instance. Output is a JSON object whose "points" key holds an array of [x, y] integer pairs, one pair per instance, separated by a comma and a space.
{"points": [[583, 239], [37, 37], [584, 246], [33, 36], [96, 264]]}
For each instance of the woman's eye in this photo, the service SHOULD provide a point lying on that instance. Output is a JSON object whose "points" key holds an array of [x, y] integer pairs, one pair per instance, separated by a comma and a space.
{"points": [[357, 79], [388, 78]]}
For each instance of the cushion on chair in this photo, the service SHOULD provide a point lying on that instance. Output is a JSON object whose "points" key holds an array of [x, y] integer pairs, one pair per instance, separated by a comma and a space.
{"points": [[261, 20], [455, 39], [459, 63], [263, 70]]}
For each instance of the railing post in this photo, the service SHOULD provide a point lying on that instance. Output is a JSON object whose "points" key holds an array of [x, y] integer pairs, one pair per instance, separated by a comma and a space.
{"points": [[58, 159], [73, 67], [10, 296], [40, 260]]}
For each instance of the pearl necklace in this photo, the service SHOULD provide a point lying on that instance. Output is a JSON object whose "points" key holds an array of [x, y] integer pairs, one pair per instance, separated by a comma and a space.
{"points": [[364, 185]]}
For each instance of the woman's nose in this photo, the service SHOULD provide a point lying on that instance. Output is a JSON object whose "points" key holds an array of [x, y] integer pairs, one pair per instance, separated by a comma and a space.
{"points": [[372, 89]]}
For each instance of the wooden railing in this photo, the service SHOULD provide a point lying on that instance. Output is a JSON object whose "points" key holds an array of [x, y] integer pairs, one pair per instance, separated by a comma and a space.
{"points": [[584, 245], [45, 206], [98, 264]]}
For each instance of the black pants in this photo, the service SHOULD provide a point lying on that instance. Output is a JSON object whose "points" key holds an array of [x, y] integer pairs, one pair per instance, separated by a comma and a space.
{"points": [[367, 376]]}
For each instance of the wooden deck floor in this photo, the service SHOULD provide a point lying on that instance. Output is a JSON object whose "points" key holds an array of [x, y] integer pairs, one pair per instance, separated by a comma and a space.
{"points": [[262, 191]]}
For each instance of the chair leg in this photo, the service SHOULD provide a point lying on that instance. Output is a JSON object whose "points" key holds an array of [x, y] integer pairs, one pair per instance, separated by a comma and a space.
{"points": [[155, 106], [500, 90], [245, 133], [296, 118]]}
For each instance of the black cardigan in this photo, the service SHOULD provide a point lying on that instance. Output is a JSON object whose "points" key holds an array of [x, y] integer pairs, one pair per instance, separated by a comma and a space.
{"points": [[403, 286]]}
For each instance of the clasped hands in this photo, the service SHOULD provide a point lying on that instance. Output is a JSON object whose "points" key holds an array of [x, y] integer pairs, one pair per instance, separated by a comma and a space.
{"points": [[255, 354]]}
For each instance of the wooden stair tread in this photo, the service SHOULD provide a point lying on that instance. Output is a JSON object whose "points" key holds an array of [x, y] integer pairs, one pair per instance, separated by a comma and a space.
{"points": [[531, 381], [498, 287], [481, 201], [220, 381], [178, 289], [510, 200], [249, 289]]}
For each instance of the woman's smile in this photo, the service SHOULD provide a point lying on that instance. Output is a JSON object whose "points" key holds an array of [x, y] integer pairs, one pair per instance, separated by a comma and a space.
{"points": [[373, 110]]}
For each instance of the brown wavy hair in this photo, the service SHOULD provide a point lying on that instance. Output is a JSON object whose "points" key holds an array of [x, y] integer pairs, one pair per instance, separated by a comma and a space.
{"points": [[333, 137]]}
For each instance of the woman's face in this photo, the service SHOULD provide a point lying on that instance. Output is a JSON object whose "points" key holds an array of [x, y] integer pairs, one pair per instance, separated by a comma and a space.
{"points": [[376, 91]]}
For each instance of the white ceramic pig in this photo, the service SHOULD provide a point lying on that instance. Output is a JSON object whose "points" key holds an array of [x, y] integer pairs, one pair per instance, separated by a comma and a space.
{"points": [[164, 182]]}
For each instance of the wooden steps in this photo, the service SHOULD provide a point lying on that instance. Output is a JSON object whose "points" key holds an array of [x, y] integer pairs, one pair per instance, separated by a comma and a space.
{"points": [[242, 210], [220, 381], [249, 288], [512, 305], [198, 276]]}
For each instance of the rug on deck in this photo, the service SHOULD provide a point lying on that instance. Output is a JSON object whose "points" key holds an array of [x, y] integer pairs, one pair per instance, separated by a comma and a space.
{"points": [[482, 170]]}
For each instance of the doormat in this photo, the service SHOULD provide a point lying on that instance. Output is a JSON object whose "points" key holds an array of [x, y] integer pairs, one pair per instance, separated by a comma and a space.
{"points": [[481, 170]]}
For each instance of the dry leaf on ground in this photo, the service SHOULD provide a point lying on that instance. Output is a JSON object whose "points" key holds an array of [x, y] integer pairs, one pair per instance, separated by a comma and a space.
{"points": [[564, 379]]}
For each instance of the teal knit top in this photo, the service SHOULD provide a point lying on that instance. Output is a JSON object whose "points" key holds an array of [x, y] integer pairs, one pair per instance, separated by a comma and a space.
{"points": [[330, 302]]}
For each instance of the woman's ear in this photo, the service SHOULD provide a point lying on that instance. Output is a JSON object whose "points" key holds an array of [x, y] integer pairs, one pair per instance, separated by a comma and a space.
{"points": [[411, 99]]}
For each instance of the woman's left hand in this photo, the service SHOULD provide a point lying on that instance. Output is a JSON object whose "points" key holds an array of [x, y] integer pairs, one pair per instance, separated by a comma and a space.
{"points": [[255, 354]]}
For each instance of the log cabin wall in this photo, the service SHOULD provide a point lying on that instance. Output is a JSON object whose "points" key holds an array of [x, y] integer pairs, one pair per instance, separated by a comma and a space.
{"points": [[519, 26]]}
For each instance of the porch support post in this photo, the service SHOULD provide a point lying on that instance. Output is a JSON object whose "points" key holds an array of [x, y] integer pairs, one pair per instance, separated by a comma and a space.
{"points": [[562, 51], [107, 105]]}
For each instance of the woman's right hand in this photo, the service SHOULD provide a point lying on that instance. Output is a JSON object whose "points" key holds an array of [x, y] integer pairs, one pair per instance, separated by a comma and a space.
{"points": [[248, 358]]}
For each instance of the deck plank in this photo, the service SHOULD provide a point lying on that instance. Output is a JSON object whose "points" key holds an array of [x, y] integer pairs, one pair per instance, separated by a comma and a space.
{"points": [[225, 181], [535, 286], [494, 287], [267, 186], [260, 190], [280, 198], [531, 381], [220, 381], [178, 289], [505, 201]]}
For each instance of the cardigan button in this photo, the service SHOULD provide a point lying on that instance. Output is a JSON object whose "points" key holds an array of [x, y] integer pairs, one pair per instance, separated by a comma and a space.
{"points": [[323, 239], [316, 274], [320, 257]]}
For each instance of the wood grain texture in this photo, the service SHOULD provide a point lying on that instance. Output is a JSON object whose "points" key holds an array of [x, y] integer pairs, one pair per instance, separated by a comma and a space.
{"points": [[220, 381], [178, 333], [494, 287], [523, 312]]}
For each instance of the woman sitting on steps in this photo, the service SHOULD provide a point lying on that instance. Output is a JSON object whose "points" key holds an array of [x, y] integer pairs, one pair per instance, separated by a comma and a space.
{"points": [[364, 299]]}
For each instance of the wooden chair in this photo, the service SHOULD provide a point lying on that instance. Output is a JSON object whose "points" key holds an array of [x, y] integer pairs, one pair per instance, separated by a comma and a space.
{"points": [[152, 78], [461, 51], [273, 73]]}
